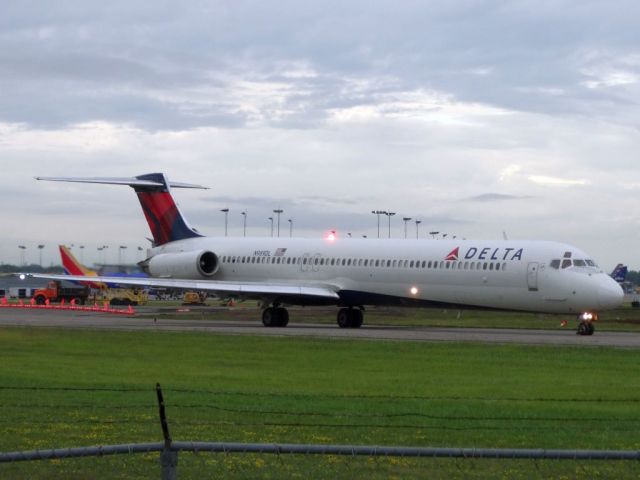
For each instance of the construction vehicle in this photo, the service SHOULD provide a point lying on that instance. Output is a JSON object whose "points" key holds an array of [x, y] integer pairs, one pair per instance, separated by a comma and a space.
{"points": [[122, 296], [55, 293], [194, 298]]}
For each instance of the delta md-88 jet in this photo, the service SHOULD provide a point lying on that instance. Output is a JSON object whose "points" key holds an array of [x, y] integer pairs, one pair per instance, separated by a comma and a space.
{"points": [[531, 276]]}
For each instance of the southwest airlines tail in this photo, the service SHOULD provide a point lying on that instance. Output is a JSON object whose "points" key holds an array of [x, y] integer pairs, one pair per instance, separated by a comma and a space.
{"points": [[154, 193], [72, 266]]}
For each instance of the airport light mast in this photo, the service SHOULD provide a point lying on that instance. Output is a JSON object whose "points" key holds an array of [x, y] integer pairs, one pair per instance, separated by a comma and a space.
{"points": [[23, 250], [389, 215], [226, 218], [378, 213], [405, 220], [40, 247], [418, 222], [244, 223], [278, 211]]}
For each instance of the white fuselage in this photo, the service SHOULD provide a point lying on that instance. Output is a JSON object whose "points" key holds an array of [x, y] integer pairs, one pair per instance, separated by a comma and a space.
{"points": [[511, 275]]}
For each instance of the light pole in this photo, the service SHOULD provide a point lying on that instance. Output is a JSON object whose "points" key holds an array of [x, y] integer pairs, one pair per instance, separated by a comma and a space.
{"points": [[433, 234], [23, 250], [405, 220], [389, 214], [290, 227], [226, 217], [244, 223], [40, 247], [104, 254], [121, 250], [278, 211], [140, 249], [82, 254], [378, 213], [271, 220], [418, 222]]}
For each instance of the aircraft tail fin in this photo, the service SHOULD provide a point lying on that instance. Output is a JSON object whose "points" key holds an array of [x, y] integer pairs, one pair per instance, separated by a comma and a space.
{"points": [[72, 266], [619, 273], [154, 193]]}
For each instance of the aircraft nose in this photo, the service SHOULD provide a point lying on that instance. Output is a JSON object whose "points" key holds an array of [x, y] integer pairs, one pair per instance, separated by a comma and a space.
{"points": [[610, 294]]}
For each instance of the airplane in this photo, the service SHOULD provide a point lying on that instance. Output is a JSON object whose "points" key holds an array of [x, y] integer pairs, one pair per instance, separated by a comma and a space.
{"points": [[509, 275]]}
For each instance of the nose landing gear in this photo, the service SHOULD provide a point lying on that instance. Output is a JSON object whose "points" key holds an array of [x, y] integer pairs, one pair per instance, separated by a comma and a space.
{"points": [[585, 323]]}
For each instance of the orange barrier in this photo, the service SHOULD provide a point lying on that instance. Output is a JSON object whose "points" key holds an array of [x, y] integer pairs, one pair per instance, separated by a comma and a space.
{"points": [[105, 308]]}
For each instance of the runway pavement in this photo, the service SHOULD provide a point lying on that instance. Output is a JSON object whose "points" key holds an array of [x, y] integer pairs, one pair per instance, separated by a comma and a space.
{"points": [[90, 320]]}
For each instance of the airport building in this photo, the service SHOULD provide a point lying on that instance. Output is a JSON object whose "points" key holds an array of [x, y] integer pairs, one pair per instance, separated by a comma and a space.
{"points": [[13, 287]]}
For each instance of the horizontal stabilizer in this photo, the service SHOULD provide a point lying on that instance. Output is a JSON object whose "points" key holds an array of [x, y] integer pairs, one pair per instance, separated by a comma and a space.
{"points": [[130, 181]]}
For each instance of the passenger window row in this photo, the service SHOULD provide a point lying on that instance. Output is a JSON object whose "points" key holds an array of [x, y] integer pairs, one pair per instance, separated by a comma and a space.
{"points": [[368, 262]]}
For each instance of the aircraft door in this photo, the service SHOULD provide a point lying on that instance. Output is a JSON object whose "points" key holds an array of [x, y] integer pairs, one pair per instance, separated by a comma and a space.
{"points": [[316, 262], [532, 276], [305, 265]]}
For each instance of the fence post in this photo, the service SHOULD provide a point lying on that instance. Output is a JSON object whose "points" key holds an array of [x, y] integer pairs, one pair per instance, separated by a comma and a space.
{"points": [[168, 458]]}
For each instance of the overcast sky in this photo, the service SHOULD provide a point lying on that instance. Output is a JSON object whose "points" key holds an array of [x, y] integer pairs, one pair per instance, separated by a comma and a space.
{"points": [[476, 117]]}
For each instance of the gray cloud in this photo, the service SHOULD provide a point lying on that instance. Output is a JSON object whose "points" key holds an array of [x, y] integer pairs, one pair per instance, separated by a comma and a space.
{"points": [[496, 197], [327, 109]]}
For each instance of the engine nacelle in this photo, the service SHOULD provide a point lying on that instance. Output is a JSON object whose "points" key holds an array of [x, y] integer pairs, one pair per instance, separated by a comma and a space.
{"points": [[189, 265]]}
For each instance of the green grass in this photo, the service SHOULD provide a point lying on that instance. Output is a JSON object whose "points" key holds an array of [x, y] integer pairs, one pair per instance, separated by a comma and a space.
{"points": [[73, 388]]}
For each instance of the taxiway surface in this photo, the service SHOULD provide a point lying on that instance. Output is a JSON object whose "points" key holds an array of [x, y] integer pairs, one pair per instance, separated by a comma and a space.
{"points": [[90, 320]]}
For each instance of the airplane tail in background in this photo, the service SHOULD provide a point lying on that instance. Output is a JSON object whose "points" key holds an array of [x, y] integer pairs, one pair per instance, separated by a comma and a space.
{"points": [[619, 273], [154, 193], [72, 266]]}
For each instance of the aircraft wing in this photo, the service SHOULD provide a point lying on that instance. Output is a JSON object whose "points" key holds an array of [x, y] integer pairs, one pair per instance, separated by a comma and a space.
{"points": [[248, 289]]}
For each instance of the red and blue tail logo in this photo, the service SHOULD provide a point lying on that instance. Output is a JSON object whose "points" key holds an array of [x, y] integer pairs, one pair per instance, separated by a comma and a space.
{"points": [[162, 214]]}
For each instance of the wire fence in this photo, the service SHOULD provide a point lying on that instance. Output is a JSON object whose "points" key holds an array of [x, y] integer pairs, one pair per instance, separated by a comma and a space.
{"points": [[203, 412]]}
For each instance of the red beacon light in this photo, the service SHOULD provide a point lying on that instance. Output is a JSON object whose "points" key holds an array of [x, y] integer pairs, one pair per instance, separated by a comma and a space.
{"points": [[331, 236]]}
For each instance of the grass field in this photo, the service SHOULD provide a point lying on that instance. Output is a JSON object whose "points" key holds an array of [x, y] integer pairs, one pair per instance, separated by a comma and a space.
{"points": [[73, 388]]}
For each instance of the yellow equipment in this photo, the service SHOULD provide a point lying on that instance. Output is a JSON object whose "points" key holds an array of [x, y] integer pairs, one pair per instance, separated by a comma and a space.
{"points": [[123, 296], [194, 298]]}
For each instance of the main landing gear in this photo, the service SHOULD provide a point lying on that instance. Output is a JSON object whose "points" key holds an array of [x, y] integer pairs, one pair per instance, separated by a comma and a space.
{"points": [[350, 317], [275, 316], [585, 323]]}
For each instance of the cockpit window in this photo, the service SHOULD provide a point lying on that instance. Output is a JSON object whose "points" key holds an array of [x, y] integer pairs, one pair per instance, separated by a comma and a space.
{"points": [[579, 263], [591, 263], [566, 263], [555, 264]]}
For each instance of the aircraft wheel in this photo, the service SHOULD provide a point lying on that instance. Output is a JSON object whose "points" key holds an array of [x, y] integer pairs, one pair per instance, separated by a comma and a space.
{"points": [[345, 317], [591, 328], [583, 328], [357, 318], [269, 317], [282, 315]]}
